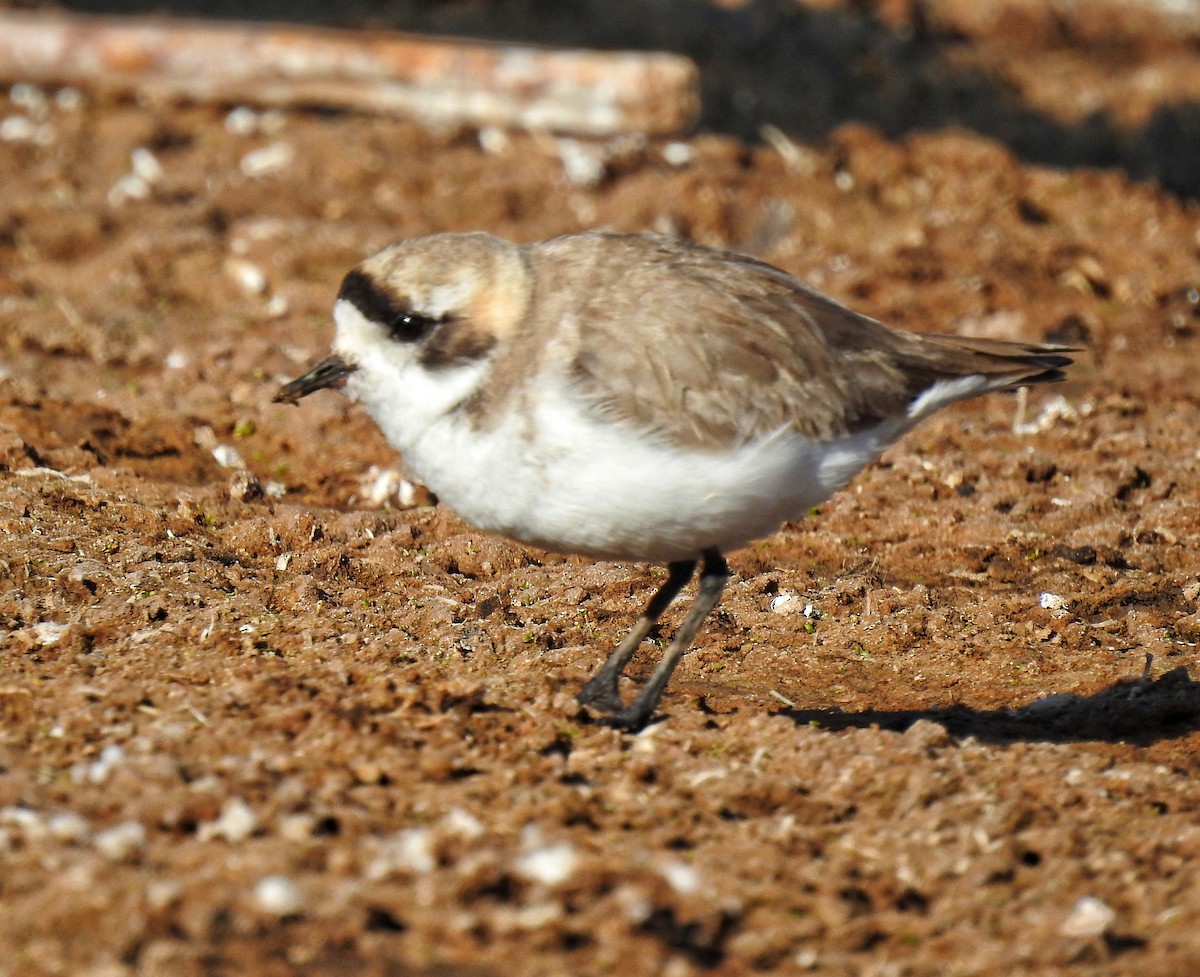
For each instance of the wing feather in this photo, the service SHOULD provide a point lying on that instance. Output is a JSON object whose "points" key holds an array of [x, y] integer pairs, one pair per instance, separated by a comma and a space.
{"points": [[709, 349]]}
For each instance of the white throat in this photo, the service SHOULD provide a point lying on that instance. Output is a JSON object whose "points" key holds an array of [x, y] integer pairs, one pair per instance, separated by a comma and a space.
{"points": [[404, 397]]}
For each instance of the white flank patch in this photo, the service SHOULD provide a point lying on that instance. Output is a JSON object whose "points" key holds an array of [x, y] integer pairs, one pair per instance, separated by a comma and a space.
{"points": [[947, 392]]}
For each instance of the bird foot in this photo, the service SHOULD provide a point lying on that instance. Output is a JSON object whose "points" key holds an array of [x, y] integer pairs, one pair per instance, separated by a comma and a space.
{"points": [[600, 696], [631, 719], [613, 712]]}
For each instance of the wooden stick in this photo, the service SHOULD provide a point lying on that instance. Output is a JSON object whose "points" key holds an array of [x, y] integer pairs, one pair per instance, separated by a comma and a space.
{"points": [[1092, 22], [435, 80]]}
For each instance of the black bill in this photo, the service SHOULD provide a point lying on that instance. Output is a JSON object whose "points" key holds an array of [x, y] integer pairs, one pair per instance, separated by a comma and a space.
{"points": [[330, 372]]}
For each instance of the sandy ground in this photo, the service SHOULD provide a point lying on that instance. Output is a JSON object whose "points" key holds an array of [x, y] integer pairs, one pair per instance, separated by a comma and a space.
{"points": [[257, 716]]}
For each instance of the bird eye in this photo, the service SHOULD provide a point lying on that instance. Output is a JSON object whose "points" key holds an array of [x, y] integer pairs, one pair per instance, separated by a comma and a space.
{"points": [[409, 326]]}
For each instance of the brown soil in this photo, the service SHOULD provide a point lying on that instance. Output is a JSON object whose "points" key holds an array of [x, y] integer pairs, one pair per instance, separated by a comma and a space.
{"points": [[265, 721]]}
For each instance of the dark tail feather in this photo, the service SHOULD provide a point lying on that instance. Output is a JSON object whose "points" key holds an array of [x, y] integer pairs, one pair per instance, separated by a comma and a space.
{"points": [[1008, 365]]}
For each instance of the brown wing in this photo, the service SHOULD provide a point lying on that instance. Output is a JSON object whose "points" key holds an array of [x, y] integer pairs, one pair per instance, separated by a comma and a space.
{"points": [[712, 348]]}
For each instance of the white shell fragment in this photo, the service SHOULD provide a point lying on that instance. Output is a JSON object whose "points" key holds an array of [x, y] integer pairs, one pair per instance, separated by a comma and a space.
{"points": [[269, 160], [786, 602], [1054, 410], [249, 277], [146, 166], [1089, 917], [680, 876], [122, 842], [582, 163], [146, 172], [227, 456], [1053, 602], [278, 895], [236, 823], [549, 865], [411, 850]]}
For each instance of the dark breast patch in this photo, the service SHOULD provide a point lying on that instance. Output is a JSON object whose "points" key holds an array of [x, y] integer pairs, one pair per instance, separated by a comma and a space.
{"points": [[456, 343]]}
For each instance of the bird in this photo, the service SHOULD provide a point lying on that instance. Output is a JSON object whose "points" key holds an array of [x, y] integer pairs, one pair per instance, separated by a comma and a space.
{"points": [[635, 397]]}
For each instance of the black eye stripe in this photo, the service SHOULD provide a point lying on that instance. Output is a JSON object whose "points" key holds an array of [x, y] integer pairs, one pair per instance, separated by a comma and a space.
{"points": [[381, 306]]}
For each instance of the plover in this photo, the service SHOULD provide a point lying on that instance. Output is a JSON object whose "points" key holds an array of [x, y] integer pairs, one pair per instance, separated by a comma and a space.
{"points": [[635, 397]]}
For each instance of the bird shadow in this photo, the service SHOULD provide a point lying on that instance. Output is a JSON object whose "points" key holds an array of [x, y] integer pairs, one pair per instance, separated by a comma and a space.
{"points": [[1138, 712], [801, 69]]}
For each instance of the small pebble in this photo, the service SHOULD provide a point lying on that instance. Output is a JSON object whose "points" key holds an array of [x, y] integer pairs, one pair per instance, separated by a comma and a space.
{"points": [[680, 876], [268, 160], [410, 850], [1052, 602], [296, 827], [928, 734], [462, 823], [1089, 917], [161, 893], [249, 277], [1059, 607], [17, 128], [69, 99], [48, 632], [806, 959], [244, 487], [241, 121], [415, 850], [68, 826], [236, 823], [678, 153], [227, 456], [379, 485], [29, 99], [100, 769], [494, 140], [122, 842], [786, 602], [548, 865], [26, 820], [582, 163], [146, 166], [129, 187], [278, 895]]}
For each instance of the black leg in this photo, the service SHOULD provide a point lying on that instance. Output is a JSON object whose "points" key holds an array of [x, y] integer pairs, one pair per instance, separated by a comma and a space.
{"points": [[600, 692], [713, 577]]}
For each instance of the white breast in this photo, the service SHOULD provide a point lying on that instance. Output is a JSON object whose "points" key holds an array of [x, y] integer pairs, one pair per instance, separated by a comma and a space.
{"points": [[558, 477]]}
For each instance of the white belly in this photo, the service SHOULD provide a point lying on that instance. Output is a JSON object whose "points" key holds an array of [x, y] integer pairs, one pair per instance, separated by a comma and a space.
{"points": [[561, 479]]}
